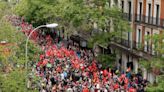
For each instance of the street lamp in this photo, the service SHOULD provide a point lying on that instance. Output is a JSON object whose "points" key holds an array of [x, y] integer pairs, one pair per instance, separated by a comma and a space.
{"points": [[26, 51]]}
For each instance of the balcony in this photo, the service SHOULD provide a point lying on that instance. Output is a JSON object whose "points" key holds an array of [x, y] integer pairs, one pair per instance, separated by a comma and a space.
{"points": [[132, 47], [127, 16], [122, 41], [146, 48], [153, 21]]}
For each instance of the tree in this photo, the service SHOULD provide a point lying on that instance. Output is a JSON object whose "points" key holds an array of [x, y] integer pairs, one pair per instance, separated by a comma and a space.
{"points": [[106, 60], [159, 87], [158, 49], [12, 76], [112, 25], [14, 81], [4, 8], [37, 12], [155, 65], [73, 15]]}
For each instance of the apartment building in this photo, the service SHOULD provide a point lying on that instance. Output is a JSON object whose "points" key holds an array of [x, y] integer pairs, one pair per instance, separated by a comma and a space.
{"points": [[146, 19]]}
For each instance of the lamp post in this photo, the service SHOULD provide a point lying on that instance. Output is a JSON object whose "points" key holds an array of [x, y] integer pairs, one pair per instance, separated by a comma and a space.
{"points": [[26, 51]]}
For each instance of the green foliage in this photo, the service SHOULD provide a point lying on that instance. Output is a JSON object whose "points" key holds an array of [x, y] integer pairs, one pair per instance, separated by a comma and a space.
{"points": [[7, 32], [70, 14], [119, 25], [17, 40], [11, 78], [36, 11], [100, 38], [106, 60], [4, 8], [153, 63], [157, 87], [14, 81], [33, 53], [156, 62], [146, 64], [157, 40]]}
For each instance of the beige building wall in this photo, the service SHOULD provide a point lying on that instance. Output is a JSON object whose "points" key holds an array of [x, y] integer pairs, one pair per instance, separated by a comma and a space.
{"points": [[145, 28], [135, 65]]}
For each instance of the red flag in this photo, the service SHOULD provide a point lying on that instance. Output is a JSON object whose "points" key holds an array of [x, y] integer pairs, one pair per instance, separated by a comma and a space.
{"points": [[41, 57], [116, 86], [126, 81], [45, 61], [132, 89], [105, 72], [48, 53], [39, 63]]}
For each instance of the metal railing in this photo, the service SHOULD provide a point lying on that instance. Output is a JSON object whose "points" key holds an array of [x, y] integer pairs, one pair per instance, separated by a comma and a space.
{"points": [[142, 47], [127, 16], [121, 41], [147, 48], [159, 22]]}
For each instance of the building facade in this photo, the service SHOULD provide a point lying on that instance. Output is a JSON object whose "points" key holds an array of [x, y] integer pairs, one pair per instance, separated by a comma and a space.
{"points": [[146, 19]]}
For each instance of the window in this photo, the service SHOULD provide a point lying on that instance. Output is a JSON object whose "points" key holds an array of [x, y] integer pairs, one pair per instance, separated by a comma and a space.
{"points": [[128, 39], [149, 12], [129, 10], [140, 11], [148, 33], [157, 14], [122, 6], [139, 36]]}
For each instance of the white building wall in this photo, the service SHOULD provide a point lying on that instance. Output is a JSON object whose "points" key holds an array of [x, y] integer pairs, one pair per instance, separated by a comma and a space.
{"points": [[126, 6], [144, 73], [151, 77], [135, 65], [119, 3], [156, 2], [124, 61], [118, 56], [112, 3], [147, 9], [138, 8]]}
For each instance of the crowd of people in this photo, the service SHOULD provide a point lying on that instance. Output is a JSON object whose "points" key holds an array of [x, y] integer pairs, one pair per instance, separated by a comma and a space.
{"points": [[71, 69], [68, 68], [22, 26]]}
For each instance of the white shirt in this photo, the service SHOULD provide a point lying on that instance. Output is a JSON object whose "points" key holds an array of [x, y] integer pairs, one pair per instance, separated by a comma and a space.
{"points": [[69, 90], [62, 76]]}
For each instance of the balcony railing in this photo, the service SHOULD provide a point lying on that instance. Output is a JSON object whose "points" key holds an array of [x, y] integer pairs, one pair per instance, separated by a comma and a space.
{"points": [[142, 47], [147, 48], [122, 41], [149, 20], [127, 16]]}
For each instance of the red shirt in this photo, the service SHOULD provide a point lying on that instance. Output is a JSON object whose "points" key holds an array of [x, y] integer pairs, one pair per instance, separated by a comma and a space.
{"points": [[105, 72], [85, 90], [116, 86], [132, 90]]}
